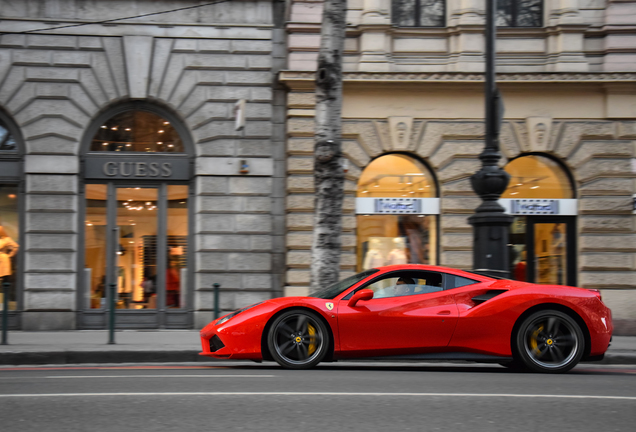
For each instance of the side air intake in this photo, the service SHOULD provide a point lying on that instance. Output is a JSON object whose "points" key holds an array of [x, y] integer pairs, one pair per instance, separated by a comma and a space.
{"points": [[481, 298]]}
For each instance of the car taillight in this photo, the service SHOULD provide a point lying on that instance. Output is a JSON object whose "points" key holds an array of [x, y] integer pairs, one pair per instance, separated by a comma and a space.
{"points": [[598, 293]]}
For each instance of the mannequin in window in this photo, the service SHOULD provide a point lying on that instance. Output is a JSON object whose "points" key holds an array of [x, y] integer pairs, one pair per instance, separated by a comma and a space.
{"points": [[8, 249], [374, 257], [417, 237], [148, 286], [173, 283], [398, 253], [520, 268]]}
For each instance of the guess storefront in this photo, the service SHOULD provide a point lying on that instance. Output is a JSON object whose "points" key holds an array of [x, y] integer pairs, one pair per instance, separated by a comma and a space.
{"points": [[137, 223]]}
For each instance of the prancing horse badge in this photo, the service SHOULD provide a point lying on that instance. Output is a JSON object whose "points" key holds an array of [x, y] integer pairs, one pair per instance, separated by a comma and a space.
{"points": [[329, 306]]}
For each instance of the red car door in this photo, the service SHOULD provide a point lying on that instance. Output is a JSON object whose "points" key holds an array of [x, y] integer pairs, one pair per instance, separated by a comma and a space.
{"points": [[397, 325]]}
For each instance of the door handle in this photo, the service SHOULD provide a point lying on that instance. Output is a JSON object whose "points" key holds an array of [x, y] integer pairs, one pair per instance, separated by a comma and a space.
{"points": [[444, 312]]}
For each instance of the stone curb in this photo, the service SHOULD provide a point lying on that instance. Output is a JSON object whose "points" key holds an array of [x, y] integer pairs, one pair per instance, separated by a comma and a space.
{"points": [[113, 357], [99, 357]]}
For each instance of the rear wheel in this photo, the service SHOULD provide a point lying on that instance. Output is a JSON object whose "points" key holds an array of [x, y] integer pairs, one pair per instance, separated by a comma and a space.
{"points": [[550, 341], [298, 339]]}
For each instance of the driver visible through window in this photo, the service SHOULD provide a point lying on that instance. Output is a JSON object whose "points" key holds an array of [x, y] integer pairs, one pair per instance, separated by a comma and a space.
{"points": [[406, 285]]}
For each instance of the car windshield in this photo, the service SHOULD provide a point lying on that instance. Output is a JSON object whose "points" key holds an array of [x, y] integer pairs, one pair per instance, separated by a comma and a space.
{"points": [[334, 290]]}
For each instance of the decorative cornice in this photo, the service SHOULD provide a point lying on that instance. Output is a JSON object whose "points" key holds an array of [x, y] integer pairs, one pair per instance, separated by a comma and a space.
{"points": [[290, 77]]}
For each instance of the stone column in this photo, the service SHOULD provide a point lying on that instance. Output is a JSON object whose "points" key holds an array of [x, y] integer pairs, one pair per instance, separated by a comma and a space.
{"points": [[466, 41], [566, 30], [50, 268], [620, 39], [375, 43]]}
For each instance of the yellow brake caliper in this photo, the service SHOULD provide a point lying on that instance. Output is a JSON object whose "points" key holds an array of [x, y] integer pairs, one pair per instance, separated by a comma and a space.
{"points": [[534, 340], [312, 337]]}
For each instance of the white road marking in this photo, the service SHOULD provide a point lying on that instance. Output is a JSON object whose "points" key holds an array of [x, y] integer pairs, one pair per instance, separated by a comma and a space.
{"points": [[159, 376], [140, 376], [296, 394]]}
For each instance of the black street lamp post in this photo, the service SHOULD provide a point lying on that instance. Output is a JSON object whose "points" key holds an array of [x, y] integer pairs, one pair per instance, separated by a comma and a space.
{"points": [[491, 225]]}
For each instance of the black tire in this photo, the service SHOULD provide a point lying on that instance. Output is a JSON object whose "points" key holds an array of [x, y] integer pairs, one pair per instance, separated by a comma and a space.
{"points": [[549, 341], [298, 339]]}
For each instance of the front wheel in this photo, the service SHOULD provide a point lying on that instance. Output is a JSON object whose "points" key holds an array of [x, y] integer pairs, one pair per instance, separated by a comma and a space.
{"points": [[550, 341], [298, 339]]}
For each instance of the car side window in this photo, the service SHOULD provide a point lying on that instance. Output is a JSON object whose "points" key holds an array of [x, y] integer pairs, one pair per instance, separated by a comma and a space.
{"points": [[460, 281], [399, 285]]}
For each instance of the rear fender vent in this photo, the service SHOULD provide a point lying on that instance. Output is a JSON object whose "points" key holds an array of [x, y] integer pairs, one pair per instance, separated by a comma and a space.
{"points": [[481, 298]]}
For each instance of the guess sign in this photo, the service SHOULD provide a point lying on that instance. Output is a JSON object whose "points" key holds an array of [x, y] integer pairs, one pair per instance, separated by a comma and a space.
{"points": [[137, 167]]}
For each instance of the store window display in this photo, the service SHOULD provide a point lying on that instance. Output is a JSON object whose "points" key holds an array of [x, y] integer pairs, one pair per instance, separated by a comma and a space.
{"points": [[374, 256], [10, 172], [398, 253], [397, 227], [8, 249], [137, 268], [8, 245]]}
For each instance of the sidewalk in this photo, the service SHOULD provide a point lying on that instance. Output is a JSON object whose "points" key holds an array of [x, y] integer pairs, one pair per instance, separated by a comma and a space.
{"points": [[91, 346], [153, 346]]}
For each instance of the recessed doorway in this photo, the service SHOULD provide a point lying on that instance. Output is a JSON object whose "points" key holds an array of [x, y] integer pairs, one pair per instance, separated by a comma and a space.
{"points": [[136, 237]]}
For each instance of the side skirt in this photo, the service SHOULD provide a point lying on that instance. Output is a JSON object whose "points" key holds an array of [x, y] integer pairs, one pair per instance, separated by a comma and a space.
{"points": [[485, 358]]}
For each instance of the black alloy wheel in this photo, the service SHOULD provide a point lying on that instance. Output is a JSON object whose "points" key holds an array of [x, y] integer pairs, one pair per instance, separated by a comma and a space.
{"points": [[298, 339], [550, 341]]}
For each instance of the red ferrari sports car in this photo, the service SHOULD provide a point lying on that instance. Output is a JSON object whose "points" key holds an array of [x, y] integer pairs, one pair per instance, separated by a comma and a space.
{"points": [[420, 312]]}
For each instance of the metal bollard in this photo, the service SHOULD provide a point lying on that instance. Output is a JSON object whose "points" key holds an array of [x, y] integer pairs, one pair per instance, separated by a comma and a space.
{"points": [[111, 315], [216, 300], [5, 311]]}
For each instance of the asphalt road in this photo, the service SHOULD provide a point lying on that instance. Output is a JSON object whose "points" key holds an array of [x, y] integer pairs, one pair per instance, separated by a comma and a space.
{"points": [[333, 397]]}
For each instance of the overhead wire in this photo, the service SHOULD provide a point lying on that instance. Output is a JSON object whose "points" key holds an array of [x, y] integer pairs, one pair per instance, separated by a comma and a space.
{"points": [[117, 19]]}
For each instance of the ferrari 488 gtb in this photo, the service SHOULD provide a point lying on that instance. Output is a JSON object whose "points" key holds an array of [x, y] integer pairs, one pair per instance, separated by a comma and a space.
{"points": [[420, 312]]}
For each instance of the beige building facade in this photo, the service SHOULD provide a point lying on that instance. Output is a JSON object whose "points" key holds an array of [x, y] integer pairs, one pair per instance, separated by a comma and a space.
{"points": [[415, 93]]}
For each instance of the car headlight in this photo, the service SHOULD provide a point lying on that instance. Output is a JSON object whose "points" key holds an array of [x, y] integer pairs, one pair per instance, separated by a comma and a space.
{"points": [[228, 317]]}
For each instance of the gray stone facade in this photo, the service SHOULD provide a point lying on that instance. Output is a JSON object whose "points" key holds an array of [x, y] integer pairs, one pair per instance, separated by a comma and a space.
{"points": [[195, 63]]}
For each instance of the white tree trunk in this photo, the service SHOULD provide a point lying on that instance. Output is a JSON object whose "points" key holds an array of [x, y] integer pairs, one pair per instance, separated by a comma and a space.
{"points": [[328, 170]]}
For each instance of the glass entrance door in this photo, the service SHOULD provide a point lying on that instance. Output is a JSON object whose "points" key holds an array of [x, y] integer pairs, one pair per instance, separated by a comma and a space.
{"points": [[136, 237], [136, 270], [544, 250], [550, 255]]}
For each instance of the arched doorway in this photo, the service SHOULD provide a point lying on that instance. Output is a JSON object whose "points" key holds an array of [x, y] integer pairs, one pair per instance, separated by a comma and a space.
{"points": [[543, 234], [136, 219], [11, 237], [396, 212]]}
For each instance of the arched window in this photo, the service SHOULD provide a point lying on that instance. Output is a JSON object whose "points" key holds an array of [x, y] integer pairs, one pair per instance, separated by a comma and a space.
{"points": [[397, 210], [396, 175], [535, 176], [137, 131]]}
